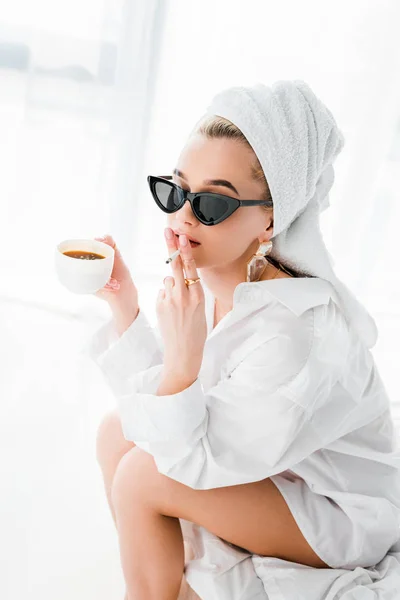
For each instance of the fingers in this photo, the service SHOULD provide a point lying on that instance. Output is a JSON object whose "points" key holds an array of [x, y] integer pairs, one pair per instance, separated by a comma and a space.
{"points": [[112, 284], [108, 239], [189, 263], [184, 265], [169, 284], [177, 264], [170, 238]]}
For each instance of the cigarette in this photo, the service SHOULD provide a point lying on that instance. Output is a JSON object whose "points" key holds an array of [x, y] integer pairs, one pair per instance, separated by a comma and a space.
{"points": [[173, 256]]}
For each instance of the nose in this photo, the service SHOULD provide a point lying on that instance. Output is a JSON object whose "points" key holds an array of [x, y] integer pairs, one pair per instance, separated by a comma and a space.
{"points": [[185, 214], [184, 219]]}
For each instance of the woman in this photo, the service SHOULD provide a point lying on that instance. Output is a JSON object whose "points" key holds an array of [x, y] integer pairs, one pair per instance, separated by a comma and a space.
{"points": [[255, 414]]}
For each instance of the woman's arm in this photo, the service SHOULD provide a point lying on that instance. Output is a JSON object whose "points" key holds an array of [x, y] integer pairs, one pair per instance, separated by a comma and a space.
{"points": [[124, 349], [123, 317], [273, 410]]}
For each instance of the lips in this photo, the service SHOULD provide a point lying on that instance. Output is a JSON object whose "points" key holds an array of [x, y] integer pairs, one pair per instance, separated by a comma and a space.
{"points": [[191, 240]]}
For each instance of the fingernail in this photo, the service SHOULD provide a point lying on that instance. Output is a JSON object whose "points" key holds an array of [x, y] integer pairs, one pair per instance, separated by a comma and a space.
{"points": [[183, 240], [168, 233]]}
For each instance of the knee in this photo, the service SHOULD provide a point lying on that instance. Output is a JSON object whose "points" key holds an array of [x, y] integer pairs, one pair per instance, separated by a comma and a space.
{"points": [[110, 438], [136, 465]]}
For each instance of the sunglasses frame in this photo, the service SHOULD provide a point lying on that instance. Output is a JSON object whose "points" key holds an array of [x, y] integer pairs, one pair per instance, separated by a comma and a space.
{"points": [[234, 203]]}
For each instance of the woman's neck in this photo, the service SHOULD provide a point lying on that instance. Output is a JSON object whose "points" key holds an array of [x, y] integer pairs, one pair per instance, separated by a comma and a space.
{"points": [[223, 287]]}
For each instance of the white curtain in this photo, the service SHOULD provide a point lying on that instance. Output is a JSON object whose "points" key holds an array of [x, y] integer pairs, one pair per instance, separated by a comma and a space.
{"points": [[94, 96], [76, 87]]}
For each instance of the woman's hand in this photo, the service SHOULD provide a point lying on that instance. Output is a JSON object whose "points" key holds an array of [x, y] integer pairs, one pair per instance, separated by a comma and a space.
{"points": [[181, 315], [120, 279], [120, 291]]}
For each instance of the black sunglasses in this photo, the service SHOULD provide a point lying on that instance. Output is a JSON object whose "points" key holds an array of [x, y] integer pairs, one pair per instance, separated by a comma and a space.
{"points": [[209, 208]]}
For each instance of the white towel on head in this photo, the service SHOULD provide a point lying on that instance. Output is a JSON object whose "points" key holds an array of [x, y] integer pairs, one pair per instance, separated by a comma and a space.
{"points": [[296, 140]]}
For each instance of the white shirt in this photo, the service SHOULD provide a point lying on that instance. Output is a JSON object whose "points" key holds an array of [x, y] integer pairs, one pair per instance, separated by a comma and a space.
{"points": [[285, 391]]}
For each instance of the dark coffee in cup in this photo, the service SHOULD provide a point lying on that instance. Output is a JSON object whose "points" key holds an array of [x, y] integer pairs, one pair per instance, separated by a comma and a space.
{"points": [[91, 271], [83, 254]]}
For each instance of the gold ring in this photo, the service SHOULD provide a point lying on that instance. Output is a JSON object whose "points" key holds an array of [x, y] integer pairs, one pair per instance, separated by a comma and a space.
{"points": [[190, 281]]}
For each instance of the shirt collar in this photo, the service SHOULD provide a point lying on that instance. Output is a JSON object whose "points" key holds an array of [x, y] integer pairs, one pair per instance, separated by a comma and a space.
{"points": [[296, 293]]}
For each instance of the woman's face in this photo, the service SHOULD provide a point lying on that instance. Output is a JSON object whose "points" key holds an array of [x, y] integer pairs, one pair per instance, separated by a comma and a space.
{"points": [[232, 242]]}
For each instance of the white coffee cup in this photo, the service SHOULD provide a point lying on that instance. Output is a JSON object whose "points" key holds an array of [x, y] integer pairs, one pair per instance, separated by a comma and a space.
{"points": [[82, 276]]}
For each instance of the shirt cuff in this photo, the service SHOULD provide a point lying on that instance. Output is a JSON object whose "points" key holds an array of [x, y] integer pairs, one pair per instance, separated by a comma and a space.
{"points": [[146, 417], [121, 356]]}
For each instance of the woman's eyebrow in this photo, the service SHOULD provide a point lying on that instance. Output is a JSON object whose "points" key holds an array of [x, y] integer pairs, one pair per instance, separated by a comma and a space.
{"points": [[221, 182]]}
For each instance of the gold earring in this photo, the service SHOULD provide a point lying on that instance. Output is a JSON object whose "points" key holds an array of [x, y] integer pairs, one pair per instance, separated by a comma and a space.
{"points": [[257, 263]]}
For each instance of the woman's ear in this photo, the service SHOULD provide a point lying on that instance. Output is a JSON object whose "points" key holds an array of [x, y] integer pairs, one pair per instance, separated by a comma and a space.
{"points": [[271, 225]]}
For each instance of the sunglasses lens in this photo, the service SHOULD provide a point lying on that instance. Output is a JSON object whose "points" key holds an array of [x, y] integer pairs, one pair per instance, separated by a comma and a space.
{"points": [[167, 195], [211, 209]]}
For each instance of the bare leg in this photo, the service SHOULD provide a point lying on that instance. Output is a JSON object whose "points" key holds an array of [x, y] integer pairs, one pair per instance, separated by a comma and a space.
{"points": [[111, 446], [252, 516], [151, 544]]}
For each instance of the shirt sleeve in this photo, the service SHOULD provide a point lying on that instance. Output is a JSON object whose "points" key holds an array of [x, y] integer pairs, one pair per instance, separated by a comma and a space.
{"points": [[120, 357], [281, 403]]}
